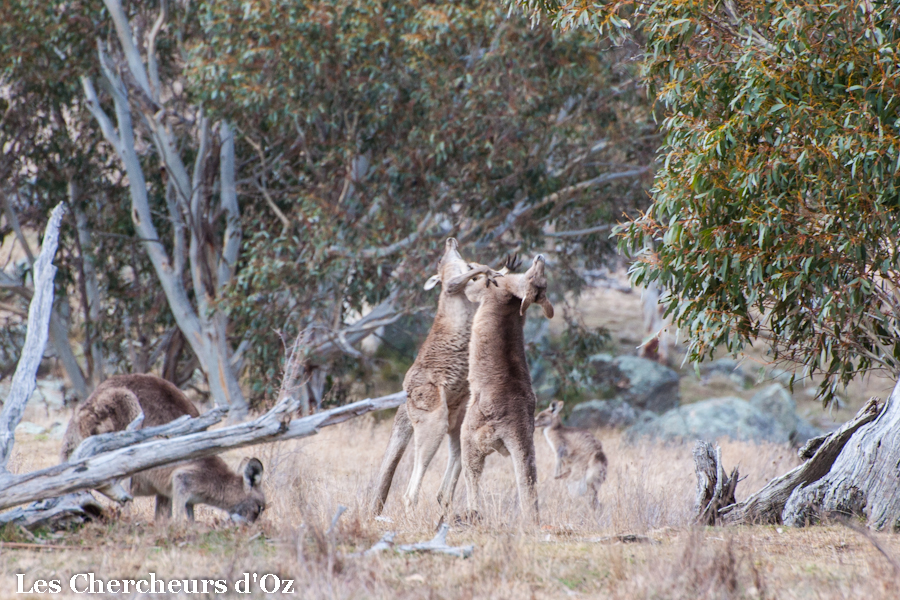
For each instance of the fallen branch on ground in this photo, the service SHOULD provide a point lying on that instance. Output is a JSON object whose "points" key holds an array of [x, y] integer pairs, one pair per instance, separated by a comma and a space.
{"points": [[54, 513], [94, 471], [436, 544]]}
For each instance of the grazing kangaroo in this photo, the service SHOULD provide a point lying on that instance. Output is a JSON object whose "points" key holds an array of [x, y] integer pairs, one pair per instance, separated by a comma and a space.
{"points": [[500, 412], [117, 402], [436, 384], [579, 455]]}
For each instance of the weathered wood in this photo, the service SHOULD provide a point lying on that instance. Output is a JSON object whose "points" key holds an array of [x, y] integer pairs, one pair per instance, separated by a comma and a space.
{"points": [[23, 381], [94, 471], [183, 425], [767, 505], [864, 479], [438, 544], [714, 489], [55, 513]]}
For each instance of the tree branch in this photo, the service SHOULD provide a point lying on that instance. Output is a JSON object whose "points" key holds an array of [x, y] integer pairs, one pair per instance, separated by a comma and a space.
{"points": [[123, 31], [23, 382], [522, 207], [231, 245], [579, 232], [95, 471]]}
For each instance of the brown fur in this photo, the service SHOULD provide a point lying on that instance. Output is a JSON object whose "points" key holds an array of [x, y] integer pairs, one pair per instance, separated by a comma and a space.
{"points": [[579, 455], [118, 401], [436, 385], [500, 412]]}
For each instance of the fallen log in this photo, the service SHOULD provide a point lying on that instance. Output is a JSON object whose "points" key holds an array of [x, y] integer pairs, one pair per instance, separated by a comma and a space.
{"points": [[716, 504], [767, 505], [94, 471], [54, 513]]}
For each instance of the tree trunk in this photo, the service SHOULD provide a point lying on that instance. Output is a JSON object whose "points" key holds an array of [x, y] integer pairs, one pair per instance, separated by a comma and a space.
{"points": [[202, 322], [864, 480], [23, 382]]}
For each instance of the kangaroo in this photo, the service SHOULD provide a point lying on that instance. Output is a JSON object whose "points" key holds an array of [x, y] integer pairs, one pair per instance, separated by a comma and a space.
{"points": [[117, 402], [579, 455], [436, 384], [500, 411]]}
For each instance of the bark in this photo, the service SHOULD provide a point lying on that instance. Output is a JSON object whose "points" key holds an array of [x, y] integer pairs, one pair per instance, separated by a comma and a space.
{"points": [[714, 489], [100, 469], [768, 504], [23, 381], [864, 480], [91, 291], [204, 325]]}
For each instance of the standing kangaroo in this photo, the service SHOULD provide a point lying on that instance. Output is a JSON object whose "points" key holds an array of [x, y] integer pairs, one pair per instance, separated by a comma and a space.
{"points": [[117, 402], [436, 384], [500, 412], [579, 455]]}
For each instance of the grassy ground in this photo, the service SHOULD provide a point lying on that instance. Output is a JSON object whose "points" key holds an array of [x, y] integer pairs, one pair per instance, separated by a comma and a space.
{"points": [[575, 551]]}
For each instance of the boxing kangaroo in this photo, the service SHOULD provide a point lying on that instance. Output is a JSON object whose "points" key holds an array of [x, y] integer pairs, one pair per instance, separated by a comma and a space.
{"points": [[500, 411], [436, 384]]}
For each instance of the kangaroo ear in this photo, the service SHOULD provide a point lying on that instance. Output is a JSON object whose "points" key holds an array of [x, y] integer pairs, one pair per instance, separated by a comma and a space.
{"points": [[558, 406], [548, 308], [253, 472], [432, 281]]}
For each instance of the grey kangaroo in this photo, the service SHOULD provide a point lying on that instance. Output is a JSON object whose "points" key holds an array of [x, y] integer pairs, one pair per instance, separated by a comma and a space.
{"points": [[436, 384], [579, 455], [117, 402], [500, 411]]}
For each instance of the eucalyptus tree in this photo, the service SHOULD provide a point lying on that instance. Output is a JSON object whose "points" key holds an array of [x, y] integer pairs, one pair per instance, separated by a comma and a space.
{"points": [[775, 210], [252, 169], [371, 131]]}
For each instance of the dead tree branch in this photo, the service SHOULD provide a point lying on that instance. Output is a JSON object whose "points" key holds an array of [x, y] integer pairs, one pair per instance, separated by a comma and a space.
{"points": [[94, 471], [23, 382], [714, 488], [767, 505]]}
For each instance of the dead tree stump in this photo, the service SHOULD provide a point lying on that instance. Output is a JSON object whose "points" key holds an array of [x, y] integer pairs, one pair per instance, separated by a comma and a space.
{"points": [[715, 490], [864, 479]]}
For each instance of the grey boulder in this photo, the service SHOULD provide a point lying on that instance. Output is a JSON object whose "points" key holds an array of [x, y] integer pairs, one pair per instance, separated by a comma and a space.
{"points": [[617, 413], [649, 386], [727, 417]]}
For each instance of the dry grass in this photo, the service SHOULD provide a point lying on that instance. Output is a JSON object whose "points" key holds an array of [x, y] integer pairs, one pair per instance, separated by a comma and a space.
{"points": [[649, 492]]}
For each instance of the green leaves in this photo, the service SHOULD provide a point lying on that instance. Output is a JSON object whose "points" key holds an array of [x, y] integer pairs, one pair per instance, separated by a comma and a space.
{"points": [[776, 208]]}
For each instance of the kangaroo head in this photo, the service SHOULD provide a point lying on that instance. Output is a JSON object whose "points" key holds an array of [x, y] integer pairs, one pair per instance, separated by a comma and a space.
{"points": [[450, 265], [545, 417], [252, 501], [533, 288]]}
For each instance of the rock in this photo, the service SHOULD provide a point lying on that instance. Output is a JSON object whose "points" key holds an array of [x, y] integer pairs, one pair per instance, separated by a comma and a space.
{"points": [[711, 419], [57, 431], [778, 402], [650, 386], [729, 368], [29, 428], [51, 391], [594, 414], [804, 432]]}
